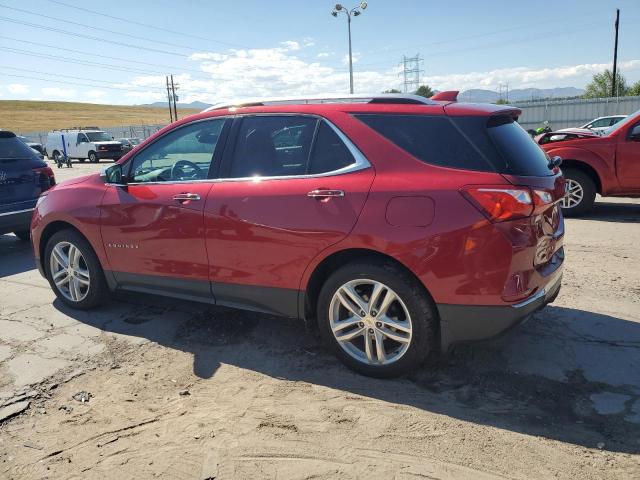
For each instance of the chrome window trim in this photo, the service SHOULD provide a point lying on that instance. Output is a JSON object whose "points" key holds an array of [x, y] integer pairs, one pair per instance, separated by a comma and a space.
{"points": [[15, 212], [360, 162]]}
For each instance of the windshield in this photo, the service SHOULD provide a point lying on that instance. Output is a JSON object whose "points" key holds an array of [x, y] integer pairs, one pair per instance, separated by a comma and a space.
{"points": [[134, 141], [99, 137], [621, 124]]}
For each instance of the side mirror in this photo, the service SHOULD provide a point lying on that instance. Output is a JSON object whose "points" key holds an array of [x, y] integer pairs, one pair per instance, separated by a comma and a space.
{"points": [[113, 175]]}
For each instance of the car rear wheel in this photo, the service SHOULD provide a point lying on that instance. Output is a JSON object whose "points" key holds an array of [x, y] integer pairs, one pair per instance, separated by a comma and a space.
{"points": [[74, 271], [377, 319], [93, 158], [23, 235], [580, 193]]}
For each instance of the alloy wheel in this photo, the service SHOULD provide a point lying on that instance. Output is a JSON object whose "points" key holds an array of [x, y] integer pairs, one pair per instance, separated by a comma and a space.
{"points": [[573, 194], [370, 322], [69, 271]]}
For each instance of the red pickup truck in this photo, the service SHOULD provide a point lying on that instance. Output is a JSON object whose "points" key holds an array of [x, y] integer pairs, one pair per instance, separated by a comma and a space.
{"points": [[608, 164]]}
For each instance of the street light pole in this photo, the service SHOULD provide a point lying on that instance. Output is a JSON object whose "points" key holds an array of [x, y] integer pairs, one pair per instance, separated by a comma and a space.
{"points": [[355, 11]]}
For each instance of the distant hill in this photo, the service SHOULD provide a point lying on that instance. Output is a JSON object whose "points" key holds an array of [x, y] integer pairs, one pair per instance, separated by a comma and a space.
{"points": [[193, 105], [519, 94], [33, 116]]}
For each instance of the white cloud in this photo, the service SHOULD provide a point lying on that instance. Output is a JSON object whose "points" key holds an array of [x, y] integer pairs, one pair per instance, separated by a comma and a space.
{"points": [[96, 94], [290, 45], [525, 77], [324, 54], [355, 58], [17, 88], [216, 57], [58, 92]]}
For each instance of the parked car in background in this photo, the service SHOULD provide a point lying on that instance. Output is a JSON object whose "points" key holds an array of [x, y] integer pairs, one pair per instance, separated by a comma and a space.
{"points": [[128, 143], [35, 145], [608, 164], [401, 224], [23, 177], [83, 143], [599, 124]]}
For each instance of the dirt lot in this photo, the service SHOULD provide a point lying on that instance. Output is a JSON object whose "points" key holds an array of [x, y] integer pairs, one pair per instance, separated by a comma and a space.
{"points": [[182, 390]]}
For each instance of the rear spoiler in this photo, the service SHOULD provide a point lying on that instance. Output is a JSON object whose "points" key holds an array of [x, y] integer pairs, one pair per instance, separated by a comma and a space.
{"points": [[448, 96]]}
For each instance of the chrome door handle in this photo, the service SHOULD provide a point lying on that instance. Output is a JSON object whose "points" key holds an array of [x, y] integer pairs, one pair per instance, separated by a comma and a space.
{"points": [[183, 197], [321, 193]]}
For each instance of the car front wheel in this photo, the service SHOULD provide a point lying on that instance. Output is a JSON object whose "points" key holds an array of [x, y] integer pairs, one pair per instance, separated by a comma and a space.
{"points": [[377, 318], [580, 193], [93, 158], [74, 271]]}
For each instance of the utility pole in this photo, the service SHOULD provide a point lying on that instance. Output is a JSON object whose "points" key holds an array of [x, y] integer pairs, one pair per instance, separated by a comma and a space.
{"points": [[169, 100], [175, 98], [615, 57], [354, 12], [411, 72]]}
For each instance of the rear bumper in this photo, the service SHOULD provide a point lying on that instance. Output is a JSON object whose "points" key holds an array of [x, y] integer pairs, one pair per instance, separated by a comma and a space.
{"points": [[16, 220], [467, 323]]}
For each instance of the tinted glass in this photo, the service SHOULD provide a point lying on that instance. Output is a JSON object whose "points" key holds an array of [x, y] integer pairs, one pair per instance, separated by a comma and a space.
{"points": [[99, 136], [329, 152], [519, 154], [434, 140], [182, 154], [12, 148], [269, 146]]}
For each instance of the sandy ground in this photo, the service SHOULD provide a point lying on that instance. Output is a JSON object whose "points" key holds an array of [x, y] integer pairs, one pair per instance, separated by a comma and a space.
{"points": [[182, 390]]}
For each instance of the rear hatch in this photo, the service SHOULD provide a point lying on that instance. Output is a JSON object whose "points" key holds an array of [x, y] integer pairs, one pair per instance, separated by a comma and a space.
{"points": [[23, 176], [513, 154]]}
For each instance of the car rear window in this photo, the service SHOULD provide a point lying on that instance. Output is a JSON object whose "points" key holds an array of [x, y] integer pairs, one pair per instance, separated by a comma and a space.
{"points": [[494, 144], [11, 147]]}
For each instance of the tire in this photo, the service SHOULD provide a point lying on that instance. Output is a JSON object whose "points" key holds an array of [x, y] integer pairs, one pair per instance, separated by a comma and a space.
{"points": [[97, 291], [581, 184], [93, 158], [421, 320], [24, 235]]}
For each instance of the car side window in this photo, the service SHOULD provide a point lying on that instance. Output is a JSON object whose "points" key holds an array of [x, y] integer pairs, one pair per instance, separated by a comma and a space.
{"points": [[82, 138], [600, 123], [182, 154], [268, 146], [287, 145]]}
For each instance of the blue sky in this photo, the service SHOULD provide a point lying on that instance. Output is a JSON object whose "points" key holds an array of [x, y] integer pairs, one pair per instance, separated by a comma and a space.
{"points": [[218, 50]]}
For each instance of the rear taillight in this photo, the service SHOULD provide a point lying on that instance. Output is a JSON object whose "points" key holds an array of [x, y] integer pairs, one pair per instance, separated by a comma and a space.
{"points": [[501, 203], [45, 177]]}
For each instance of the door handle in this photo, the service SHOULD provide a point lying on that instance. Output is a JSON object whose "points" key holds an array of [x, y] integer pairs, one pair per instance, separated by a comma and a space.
{"points": [[185, 197], [322, 193]]}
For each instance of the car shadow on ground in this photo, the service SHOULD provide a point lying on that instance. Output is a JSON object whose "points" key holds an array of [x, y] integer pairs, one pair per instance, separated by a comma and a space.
{"points": [[16, 256], [540, 380], [611, 211]]}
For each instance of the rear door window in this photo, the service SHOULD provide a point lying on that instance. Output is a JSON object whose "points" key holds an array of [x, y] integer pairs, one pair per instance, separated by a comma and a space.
{"points": [[287, 145], [11, 147]]}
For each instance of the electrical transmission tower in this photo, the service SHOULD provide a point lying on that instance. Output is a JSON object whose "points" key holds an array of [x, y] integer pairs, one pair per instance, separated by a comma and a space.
{"points": [[411, 72]]}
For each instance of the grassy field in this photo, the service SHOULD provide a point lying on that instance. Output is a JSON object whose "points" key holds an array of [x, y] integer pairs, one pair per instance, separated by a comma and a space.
{"points": [[28, 116]]}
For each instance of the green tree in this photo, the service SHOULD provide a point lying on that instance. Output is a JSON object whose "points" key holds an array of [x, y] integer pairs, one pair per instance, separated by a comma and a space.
{"points": [[501, 101], [634, 89], [424, 91], [601, 84], [393, 90]]}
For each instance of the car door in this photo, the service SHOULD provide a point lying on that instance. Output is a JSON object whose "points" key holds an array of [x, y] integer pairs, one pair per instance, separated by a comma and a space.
{"points": [[290, 187], [152, 227], [81, 149], [628, 157]]}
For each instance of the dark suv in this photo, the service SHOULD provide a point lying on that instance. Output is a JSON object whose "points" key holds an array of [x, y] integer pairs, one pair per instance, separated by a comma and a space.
{"points": [[400, 224], [23, 177]]}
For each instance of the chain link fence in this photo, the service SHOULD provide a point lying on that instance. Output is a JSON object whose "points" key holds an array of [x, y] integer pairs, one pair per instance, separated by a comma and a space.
{"points": [[126, 131]]}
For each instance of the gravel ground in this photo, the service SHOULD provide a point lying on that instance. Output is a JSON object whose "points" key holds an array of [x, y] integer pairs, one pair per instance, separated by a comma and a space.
{"points": [[181, 390]]}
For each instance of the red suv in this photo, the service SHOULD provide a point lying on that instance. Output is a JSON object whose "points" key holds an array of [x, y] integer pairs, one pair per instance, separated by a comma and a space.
{"points": [[401, 224]]}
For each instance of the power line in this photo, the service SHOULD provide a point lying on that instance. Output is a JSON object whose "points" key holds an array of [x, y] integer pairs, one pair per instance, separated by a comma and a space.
{"points": [[120, 59], [122, 19], [76, 83], [93, 27], [89, 37]]}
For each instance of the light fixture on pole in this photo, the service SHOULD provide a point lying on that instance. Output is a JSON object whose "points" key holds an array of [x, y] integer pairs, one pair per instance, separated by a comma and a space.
{"points": [[354, 12]]}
